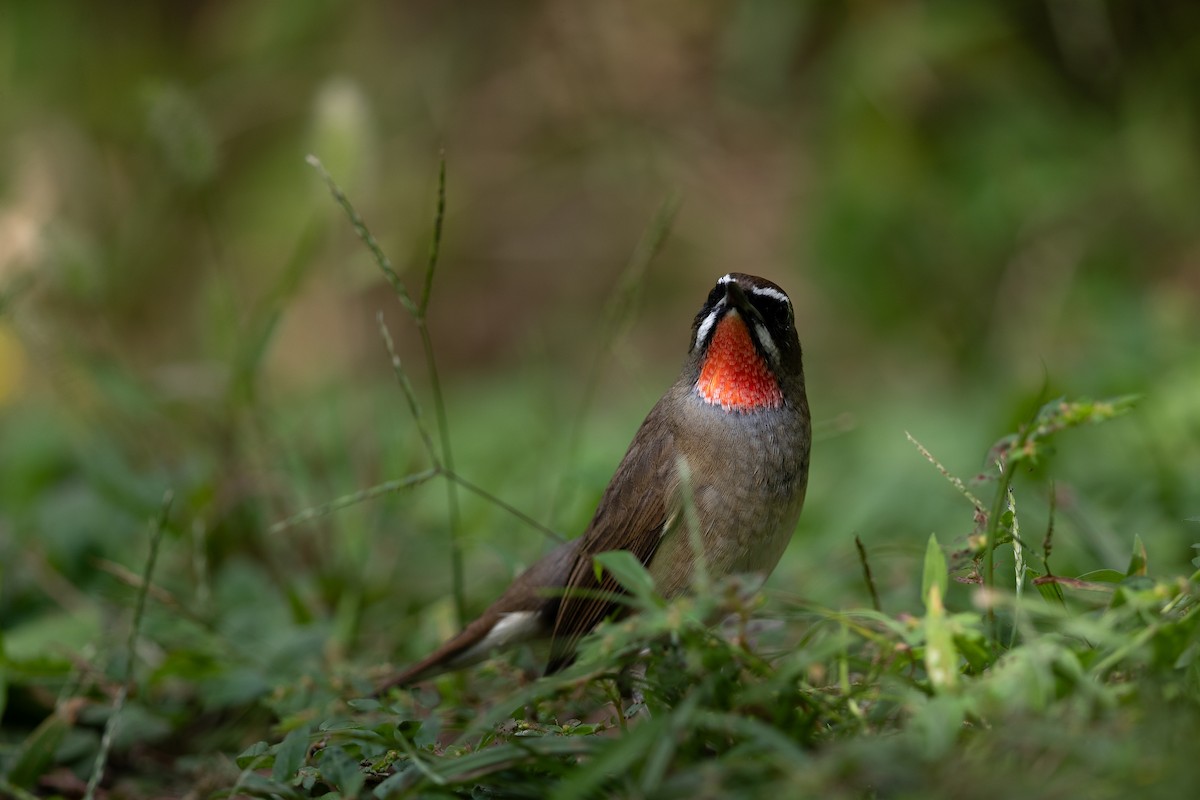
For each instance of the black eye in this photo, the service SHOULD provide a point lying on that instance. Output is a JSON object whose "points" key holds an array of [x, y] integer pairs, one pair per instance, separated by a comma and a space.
{"points": [[776, 312]]}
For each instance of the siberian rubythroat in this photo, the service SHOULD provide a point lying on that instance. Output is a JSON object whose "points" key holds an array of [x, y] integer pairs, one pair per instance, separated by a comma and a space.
{"points": [[737, 417]]}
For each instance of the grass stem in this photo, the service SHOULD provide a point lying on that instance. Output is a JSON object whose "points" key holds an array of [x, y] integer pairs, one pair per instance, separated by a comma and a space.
{"points": [[866, 568], [417, 312], [110, 726]]}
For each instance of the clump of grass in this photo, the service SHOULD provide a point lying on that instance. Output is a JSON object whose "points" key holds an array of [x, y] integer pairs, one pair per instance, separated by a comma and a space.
{"points": [[798, 698], [832, 702]]}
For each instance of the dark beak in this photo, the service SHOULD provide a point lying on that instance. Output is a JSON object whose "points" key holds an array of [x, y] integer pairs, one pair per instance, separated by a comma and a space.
{"points": [[736, 298]]}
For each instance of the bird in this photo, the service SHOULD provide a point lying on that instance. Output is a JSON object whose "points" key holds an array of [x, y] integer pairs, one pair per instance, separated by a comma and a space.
{"points": [[725, 449]]}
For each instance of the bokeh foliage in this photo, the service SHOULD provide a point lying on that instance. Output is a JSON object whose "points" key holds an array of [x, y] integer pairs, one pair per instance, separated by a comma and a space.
{"points": [[976, 207]]}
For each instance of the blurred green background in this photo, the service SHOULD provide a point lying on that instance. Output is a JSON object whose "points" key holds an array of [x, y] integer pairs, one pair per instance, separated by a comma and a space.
{"points": [[975, 208]]}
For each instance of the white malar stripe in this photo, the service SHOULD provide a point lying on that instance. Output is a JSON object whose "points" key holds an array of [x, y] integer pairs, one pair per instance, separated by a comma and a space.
{"points": [[766, 341], [706, 326], [767, 291], [512, 628]]}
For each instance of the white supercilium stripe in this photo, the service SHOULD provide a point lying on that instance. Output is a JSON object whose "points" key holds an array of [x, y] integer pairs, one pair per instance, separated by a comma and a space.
{"points": [[767, 291]]}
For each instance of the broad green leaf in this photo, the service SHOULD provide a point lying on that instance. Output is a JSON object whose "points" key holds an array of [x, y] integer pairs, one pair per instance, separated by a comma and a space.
{"points": [[341, 770], [1102, 576], [290, 755]]}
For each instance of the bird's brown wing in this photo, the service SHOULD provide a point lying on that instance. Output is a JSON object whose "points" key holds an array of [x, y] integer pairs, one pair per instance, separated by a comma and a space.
{"points": [[631, 516]]}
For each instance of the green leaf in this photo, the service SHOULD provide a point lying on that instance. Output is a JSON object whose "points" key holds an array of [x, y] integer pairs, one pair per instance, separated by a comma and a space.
{"points": [[257, 755], [394, 783], [547, 750], [341, 771], [254, 785], [935, 572], [629, 573], [617, 757], [364, 704], [941, 657], [1137, 561], [36, 753], [50, 633], [1138, 590], [1102, 576], [1188, 656], [973, 650], [1048, 589], [290, 755]]}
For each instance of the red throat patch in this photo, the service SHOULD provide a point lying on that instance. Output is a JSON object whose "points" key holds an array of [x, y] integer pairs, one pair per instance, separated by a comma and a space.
{"points": [[734, 376]]}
